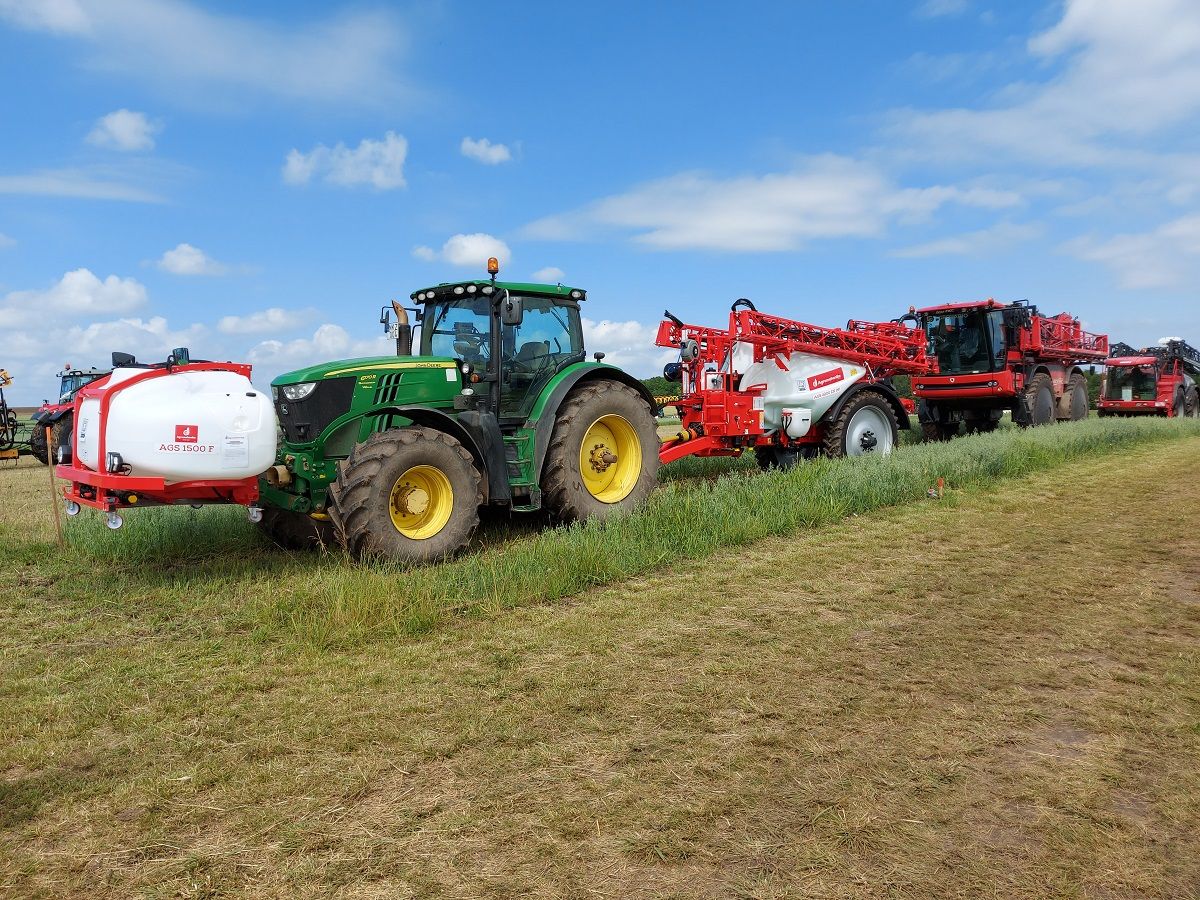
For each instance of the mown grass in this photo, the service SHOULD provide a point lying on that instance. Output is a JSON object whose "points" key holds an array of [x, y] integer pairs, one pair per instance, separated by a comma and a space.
{"points": [[337, 602], [995, 695]]}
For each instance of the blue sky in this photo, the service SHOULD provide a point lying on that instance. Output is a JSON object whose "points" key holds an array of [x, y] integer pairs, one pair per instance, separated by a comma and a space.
{"points": [[256, 180]]}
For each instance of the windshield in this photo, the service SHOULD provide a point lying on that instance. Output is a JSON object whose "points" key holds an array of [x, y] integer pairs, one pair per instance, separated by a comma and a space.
{"points": [[72, 383], [457, 328], [1131, 383], [967, 341]]}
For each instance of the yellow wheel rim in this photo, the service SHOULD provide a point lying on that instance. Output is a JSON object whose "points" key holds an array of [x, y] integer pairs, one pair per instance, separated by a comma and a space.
{"points": [[421, 502], [610, 459]]}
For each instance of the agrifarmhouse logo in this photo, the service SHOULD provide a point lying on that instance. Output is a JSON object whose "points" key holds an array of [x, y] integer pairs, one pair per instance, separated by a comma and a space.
{"points": [[187, 440], [833, 376]]}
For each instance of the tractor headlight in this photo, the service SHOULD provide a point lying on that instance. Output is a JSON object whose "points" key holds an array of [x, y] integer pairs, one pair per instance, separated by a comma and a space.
{"points": [[298, 391]]}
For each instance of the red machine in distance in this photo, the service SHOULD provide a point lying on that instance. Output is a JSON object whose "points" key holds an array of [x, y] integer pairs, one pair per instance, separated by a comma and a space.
{"points": [[993, 357], [786, 389], [1153, 381]]}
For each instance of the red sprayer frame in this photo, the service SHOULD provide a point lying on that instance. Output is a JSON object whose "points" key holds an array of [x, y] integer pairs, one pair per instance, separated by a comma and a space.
{"points": [[109, 491], [718, 419]]}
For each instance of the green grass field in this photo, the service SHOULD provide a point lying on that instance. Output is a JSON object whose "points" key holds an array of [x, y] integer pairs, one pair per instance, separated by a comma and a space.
{"points": [[812, 683]]}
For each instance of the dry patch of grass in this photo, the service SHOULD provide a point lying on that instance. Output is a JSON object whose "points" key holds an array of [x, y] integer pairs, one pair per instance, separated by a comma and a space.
{"points": [[992, 695]]}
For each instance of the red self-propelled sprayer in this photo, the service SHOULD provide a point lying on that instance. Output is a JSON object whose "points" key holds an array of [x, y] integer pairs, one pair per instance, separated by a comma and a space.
{"points": [[788, 390]]}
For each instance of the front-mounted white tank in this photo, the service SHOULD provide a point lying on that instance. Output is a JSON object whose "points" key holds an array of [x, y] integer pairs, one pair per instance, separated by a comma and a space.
{"points": [[799, 389], [182, 426]]}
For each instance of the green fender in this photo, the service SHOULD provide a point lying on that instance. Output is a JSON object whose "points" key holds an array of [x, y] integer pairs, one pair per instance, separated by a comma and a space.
{"points": [[545, 412]]}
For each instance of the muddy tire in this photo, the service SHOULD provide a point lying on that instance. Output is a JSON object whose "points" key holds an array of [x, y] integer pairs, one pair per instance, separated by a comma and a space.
{"points": [[865, 426], [37, 444], [603, 454], [1191, 405], [932, 432], [61, 436], [408, 494], [1078, 398], [296, 531], [1037, 401], [982, 425]]}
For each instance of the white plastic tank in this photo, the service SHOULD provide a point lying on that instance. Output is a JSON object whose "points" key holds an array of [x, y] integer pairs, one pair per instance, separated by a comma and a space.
{"points": [[184, 426], [799, 388]]}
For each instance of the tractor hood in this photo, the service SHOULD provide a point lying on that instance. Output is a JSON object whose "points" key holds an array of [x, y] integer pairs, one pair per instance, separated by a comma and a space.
{"points": [[362, 366]]}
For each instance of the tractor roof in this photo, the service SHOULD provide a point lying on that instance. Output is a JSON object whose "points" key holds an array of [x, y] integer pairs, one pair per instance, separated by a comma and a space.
{"points": [[1117, 362], [517, 287]]}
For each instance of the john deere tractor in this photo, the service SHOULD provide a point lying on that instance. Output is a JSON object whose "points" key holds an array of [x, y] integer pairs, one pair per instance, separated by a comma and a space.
{"points": [[394, 456]]}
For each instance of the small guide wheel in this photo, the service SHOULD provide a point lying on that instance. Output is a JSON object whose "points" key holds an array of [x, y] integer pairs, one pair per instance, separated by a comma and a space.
{"points": [[114, 521], [254, 514], [72, 508]]}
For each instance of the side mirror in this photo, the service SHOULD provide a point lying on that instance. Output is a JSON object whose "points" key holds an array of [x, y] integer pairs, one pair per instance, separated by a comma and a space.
{"points": [[511, 310]]}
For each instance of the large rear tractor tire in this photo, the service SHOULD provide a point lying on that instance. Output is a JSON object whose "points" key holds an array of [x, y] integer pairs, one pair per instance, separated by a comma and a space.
{"points": [[37, 444], [1078, 393], [1191, 405], [1038, 401], [865, 426], [296, 531], [408, 494], [603, 454], [61, 436]]}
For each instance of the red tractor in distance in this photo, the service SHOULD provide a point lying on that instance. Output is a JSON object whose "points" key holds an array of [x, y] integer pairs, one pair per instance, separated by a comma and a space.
{"points": [[993, 357], [59, 416], [1153, 381]]}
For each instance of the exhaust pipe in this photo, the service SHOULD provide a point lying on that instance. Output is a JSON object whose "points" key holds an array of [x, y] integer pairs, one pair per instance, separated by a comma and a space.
{"points": [[403, 331]]}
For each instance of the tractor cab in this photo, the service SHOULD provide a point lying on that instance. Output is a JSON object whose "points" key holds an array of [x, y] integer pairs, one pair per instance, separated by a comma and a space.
{"points": [[71, 380], [966, 338], [510, 338], [1132, 378]]}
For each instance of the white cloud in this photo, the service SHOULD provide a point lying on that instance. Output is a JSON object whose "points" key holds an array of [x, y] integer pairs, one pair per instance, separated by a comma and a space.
{"points": [[178, 46], [267, 320], [185, 259], [6, 241], [628, 344], [973, 243], [124, 130], [549, 275], [56, 16], [1126, 71], [932, 9], [377, 163], [471, 251], [485, 151], [1167, 257], [825, 197], [91, 184], [328, 342], [77, 294]]}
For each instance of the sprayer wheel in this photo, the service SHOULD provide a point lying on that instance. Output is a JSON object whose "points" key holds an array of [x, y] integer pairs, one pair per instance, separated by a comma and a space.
{"points": [[783, 457], [603, 454], [1079, 403], [1191, 405], [407, 494], [865, 426], [296, 531], [1037, 401]]}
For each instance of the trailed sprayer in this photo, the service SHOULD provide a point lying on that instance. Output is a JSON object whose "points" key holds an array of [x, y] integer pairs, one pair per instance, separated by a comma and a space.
{"points": [[177, 432], [788, 390]]}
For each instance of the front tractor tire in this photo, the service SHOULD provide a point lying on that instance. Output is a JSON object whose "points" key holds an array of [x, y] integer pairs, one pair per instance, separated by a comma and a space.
{"points": [[296, 531], [409, 494], [603, 454], [865, 426]]}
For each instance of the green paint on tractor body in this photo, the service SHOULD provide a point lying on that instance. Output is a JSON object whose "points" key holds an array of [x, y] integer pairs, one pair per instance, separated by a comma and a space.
{"points": [[492, 379]]}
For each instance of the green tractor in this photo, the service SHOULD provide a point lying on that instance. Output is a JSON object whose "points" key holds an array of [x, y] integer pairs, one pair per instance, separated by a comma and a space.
{"points": [[394, 456]]}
